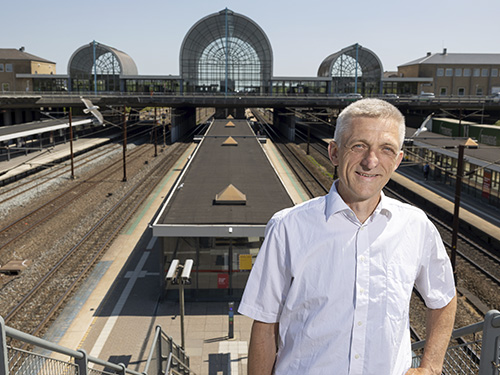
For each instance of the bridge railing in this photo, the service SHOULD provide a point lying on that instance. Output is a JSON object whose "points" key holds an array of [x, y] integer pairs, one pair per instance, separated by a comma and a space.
{"points": [[474, 349], [165, 357]]}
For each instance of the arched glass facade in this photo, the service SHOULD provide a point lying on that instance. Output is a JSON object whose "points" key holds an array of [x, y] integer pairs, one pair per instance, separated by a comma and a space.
{"points": [[98, 67], [354, 69], [226, 52]]}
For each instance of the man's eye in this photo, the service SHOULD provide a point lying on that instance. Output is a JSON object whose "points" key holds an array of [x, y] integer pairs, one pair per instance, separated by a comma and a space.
{"points": [[358, 147]]}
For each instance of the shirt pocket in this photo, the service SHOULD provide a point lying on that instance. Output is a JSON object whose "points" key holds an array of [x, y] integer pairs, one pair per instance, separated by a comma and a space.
{"points": [[400, 280]]}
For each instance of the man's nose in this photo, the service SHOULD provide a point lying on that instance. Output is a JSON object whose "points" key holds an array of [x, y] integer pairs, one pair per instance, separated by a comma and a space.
{"points": [[370, 159]]}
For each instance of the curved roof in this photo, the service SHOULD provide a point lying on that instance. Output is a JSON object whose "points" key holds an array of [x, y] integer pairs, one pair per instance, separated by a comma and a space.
{"points": [[368, 61], [82, 61], [212, 28]]}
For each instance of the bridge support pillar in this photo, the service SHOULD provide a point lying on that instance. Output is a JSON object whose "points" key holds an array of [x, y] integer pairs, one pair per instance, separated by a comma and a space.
{"points": [[183, 120], [285, 122]]}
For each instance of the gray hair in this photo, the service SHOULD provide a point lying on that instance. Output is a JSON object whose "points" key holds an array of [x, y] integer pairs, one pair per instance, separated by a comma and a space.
{"points": [[372, 108]]}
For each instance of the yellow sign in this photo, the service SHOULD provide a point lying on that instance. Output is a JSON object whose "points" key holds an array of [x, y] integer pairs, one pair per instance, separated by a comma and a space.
{"points": [[245, 261]]}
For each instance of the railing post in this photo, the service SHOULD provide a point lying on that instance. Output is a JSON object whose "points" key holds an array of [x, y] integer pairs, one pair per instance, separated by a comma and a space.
{"points": [[82, 363], [4, 358], [490, 351], [159, 348]]}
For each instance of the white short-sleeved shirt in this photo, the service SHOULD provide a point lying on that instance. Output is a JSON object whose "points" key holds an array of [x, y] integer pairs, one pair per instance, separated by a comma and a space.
{"points": [[341, 290]]}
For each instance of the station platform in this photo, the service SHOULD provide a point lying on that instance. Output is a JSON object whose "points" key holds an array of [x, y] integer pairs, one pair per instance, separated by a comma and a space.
{"points": [[21, 166]]}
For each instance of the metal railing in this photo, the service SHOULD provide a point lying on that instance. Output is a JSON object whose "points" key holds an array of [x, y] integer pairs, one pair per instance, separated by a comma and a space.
{"points": [[474, 349], [165, 358]]}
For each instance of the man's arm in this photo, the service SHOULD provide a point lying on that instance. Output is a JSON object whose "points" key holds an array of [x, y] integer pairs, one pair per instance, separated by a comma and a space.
{"points": [[262, 350], [439, 327]]}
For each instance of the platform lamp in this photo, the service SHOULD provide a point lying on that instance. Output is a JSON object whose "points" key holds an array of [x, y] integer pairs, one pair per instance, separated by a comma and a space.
{"points": [[180, 275]]}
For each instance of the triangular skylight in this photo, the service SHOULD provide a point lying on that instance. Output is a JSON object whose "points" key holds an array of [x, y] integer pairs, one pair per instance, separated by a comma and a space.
{"points": [[230, 195]]}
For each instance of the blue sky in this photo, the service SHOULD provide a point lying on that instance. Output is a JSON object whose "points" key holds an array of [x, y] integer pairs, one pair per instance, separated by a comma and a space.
{"points": [[302, 33]]}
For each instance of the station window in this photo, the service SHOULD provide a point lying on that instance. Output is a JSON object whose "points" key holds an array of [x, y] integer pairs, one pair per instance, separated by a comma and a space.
{"points": [[449, 72], [479, 91], [494, 72], [5, 87], [458, 72], [476, 72], [485, 72], [8, 68], [467, 72], [443, 91], [440, 72], [1, 67], [461, 91]]}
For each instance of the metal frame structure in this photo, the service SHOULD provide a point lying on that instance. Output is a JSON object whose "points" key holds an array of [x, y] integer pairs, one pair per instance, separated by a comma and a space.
{"points": [[354, 69], [97, 67], [226, 52]]}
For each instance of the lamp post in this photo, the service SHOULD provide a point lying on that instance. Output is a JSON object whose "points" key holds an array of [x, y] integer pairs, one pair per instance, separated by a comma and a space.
{"points": [[456, 210], [71, 145], [180, 274]]}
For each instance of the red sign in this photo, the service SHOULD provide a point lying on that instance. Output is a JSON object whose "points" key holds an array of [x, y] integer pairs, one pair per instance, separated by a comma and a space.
{"points": [[486, 184], [222, 281]]}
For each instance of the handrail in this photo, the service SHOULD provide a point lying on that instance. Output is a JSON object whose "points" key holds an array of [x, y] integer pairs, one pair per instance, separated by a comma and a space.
{"points": [[161, 338], [80, 356]]}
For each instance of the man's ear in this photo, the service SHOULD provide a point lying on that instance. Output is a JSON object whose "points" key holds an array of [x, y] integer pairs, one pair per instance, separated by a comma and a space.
{"points": [[333, 151]]}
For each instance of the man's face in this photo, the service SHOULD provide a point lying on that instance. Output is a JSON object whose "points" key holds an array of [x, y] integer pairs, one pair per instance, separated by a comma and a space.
{"points": [[368, 154]]}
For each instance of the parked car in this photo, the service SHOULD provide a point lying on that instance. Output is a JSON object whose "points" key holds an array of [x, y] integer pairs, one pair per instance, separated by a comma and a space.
{"points": [[424, 96]]}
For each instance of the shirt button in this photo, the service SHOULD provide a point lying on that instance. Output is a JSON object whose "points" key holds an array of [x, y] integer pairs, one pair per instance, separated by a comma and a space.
{"points": [[362, 228], [360, 323], [356, 356], [362, 258], [361, 291]]}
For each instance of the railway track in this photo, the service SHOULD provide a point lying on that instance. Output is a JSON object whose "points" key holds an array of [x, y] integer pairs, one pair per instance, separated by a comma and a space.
{"points": [[58, 170], [40, 303], [33, 219]]}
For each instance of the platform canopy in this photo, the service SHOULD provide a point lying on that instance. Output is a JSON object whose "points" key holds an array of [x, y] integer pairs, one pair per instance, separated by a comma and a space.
{"points": [[353, 69], [96, 60], [226, 52]]}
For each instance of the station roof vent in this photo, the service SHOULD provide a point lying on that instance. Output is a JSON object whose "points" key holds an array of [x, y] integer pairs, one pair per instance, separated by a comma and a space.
{"points": [[230, 141], [230, 124], [230, 117], [230, 196]]}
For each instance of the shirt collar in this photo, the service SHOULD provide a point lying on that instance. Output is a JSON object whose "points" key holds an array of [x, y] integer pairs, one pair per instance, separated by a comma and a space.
{"points": [[335, 204]]}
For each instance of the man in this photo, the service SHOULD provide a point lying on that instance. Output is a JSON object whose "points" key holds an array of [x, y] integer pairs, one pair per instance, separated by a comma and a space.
{"points": [[332, 283]]}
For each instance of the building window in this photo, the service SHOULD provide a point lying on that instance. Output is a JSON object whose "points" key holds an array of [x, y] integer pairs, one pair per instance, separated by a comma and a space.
{"points": [[467, 72], [461, 91], [1, 67], [8, 68], [440, 72], [476, 72], [443, 91], [484, 72], [5, 87], [479, 91], [449, 72], [494, 72], [458, 72]]}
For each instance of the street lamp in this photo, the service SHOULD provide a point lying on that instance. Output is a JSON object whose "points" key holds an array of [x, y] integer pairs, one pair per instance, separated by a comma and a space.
{"points": [[180, 274]]}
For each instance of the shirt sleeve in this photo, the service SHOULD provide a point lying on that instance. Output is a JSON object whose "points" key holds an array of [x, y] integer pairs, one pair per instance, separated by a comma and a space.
{"points": [[269, 280], [435, 281]]}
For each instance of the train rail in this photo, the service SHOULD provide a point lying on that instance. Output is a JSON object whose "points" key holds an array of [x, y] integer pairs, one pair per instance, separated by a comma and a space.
{"points": [[40, 303]]}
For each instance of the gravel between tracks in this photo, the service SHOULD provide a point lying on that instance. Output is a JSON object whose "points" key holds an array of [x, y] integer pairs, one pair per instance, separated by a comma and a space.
{"points": [[45, 245]]}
